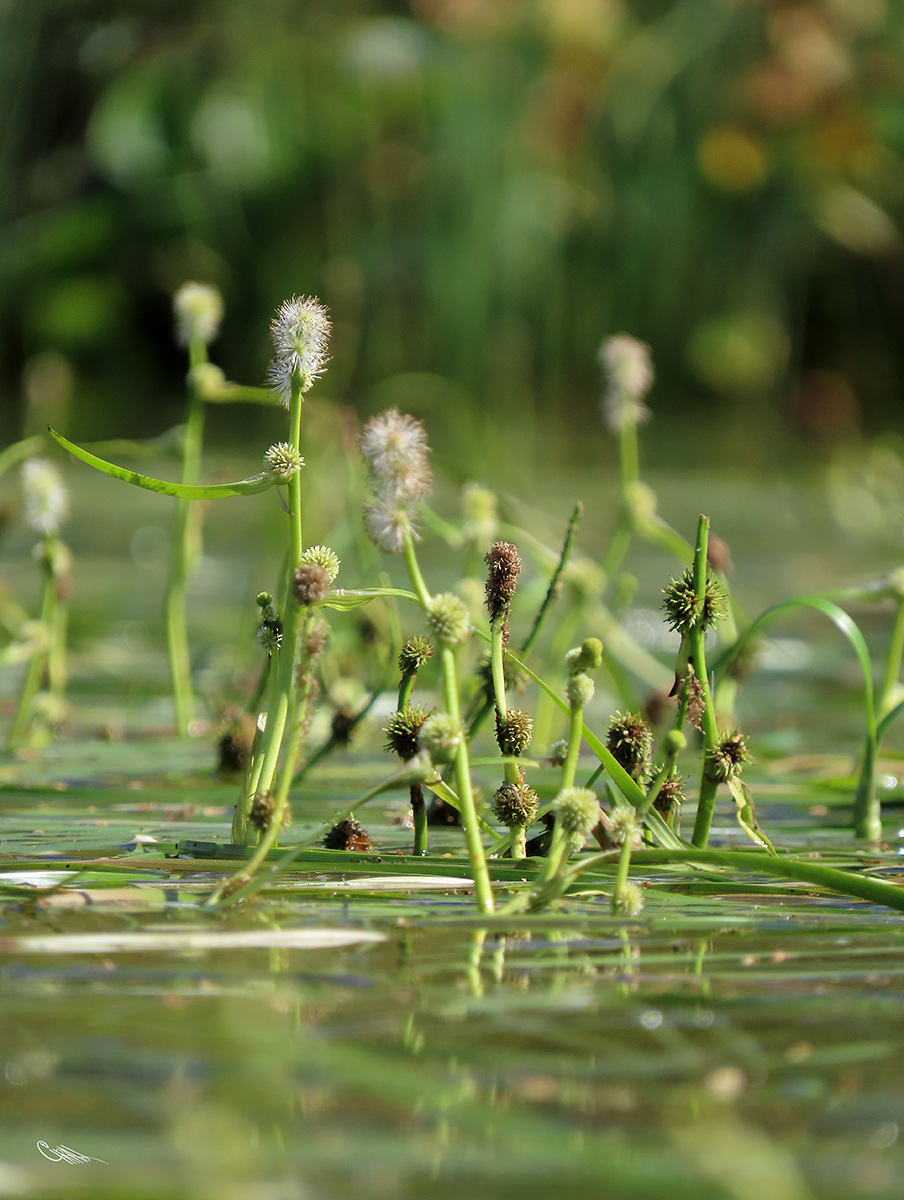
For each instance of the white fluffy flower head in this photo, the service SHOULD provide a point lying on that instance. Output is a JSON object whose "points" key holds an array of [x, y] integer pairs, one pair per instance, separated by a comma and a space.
{"points": [[46, 497], [198, 308], [283, 460], [301, 338], [395, 448], [628, 369]]}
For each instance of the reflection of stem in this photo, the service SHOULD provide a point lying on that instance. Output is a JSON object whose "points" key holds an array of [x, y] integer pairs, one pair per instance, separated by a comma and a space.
{"points": [[475, 956]]}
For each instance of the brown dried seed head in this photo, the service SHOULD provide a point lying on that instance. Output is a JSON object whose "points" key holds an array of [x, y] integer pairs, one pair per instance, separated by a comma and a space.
{"points": [[310, 585], [503, 568]]}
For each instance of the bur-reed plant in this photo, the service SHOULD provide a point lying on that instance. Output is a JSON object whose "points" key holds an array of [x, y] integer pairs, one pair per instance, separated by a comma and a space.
{"points": [[631, 801]]}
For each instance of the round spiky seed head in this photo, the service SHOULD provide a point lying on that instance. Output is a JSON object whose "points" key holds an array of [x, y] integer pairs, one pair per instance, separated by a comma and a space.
{"points": [[448, 619], [198, 308], [558, 752], [441, 735], [628, 372], [675, 742], [403, 730], [670, 797], [324, 557], [269, 636], [503, 568], [513, 732], [627, 900], [630, 742], [586, 657], [516, 805], [348, 835], [622, 825], [728, 757], [414, 654], [680, 603], [301, 338], [578, 810], [579, 689], [310, 584], [283, 461]]}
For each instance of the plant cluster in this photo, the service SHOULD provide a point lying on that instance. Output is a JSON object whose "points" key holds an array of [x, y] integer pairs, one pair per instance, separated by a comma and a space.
{"points": [[630, 804]]}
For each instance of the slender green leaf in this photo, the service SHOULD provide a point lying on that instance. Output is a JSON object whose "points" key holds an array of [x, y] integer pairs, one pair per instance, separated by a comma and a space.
{"points": [[344, 600], [214, 491]]}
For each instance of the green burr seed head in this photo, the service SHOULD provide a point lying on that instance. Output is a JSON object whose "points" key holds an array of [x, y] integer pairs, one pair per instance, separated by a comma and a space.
{"points": [[513, 732], [630, 742], [448, 618], [683, 612], [515, 805], [416, 651], [728, 757], [579, 689], [403, 730], [440, 736]]}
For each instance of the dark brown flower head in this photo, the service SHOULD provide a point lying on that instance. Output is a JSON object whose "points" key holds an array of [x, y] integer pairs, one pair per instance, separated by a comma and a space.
{"points": [[348, 835], [680, 603], [343, 725], [503, 568], [630, 742], [234, 738], [403, 730], [310, 585], [728, 757], [516, 805], [416, 651], [671, 796], [513, 732], [263, 809]]}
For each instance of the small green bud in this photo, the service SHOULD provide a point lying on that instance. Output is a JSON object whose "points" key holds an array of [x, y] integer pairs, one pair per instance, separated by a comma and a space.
{"points": [[440, 736], [323, 556], [627, 901], [264, 599], [516, 805], [578, 810], [622, 825], [579, 689], [587, 657], [675, 742], [448, 619]]}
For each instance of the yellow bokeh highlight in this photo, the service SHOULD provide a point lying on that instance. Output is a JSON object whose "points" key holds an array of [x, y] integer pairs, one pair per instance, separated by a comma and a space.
{"points": [[731, 159]]}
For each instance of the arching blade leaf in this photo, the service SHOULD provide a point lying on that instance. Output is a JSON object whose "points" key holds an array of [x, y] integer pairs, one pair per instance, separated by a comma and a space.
{"points": [[213, 491], [344, 600]]}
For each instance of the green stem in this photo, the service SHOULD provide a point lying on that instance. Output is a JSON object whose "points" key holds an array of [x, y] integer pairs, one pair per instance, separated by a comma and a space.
{"points": [[624, 862], [892, 663], [708, 786]]}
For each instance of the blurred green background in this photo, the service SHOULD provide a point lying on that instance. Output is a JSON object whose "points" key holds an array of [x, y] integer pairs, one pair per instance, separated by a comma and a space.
{"points": [[481, 190]]}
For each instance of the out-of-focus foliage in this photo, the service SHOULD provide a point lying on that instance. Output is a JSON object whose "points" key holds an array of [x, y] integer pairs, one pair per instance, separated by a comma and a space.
{"points": [[480, 189]]}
